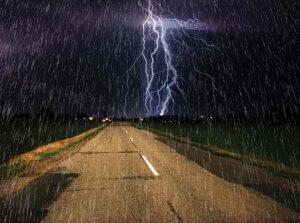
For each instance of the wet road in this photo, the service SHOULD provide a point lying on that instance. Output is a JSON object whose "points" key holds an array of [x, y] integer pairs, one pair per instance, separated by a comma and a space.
{"points": [[126, 175]]}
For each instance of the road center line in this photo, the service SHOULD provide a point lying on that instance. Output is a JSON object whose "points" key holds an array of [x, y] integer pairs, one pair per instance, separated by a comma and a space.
{"points": [[150, 165], [131, 139]]}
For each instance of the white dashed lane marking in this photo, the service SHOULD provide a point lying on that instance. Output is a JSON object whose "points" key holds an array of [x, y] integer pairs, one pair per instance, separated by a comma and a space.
{"points": [[150, 166]]}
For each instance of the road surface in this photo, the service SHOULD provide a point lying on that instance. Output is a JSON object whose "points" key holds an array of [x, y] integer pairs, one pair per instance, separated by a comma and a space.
{"points": [[126, 175]]}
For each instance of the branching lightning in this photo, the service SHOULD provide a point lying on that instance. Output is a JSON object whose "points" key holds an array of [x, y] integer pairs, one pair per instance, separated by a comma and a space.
{"points": [[160, 62]]}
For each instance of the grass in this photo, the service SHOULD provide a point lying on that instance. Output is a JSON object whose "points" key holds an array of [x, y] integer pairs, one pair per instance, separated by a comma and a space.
{"points": [[20, 136], [275, 148], [47, 155], [10, 170]]}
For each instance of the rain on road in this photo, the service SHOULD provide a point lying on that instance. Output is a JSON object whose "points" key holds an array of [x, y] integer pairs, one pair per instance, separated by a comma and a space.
{"points": [[126, 175]]}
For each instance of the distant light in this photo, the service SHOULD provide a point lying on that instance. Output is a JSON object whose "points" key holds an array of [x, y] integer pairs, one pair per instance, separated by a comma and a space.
{"points": [[141, 119], [201, 116], [211, 117], [171, 121], [91, 118], [105, 120]]}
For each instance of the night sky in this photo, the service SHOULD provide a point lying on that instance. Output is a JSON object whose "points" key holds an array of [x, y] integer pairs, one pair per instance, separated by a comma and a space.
{"points": [[72, 56]]}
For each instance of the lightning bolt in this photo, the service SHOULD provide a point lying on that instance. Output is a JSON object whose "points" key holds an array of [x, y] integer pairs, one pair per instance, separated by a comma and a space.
{"points": [[156, 53]]}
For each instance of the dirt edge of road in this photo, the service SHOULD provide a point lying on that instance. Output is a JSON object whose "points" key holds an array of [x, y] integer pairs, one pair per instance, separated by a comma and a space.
{"points": [[236, 171], [33, 164]]}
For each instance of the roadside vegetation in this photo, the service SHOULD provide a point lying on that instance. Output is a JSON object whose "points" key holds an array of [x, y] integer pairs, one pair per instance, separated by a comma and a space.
{"points": [[274, 147], [18, 136], [35, 157], [46, 155], [10, 170]]}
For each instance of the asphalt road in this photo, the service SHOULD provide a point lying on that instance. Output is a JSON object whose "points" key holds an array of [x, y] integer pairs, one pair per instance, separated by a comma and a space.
{"points": [[126, 175]]}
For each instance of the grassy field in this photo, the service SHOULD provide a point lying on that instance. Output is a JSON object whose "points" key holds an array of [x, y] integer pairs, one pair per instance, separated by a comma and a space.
{"points": [[17, 136], [279, 144], [35, 158]]}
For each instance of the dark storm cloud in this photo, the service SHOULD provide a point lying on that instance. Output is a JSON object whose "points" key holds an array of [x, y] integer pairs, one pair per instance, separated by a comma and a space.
{"points": [[72, 55]]}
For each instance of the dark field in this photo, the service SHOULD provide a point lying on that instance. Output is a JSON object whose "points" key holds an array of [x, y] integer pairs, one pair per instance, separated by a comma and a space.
{"points": [[19, 136], [277, 143]]}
